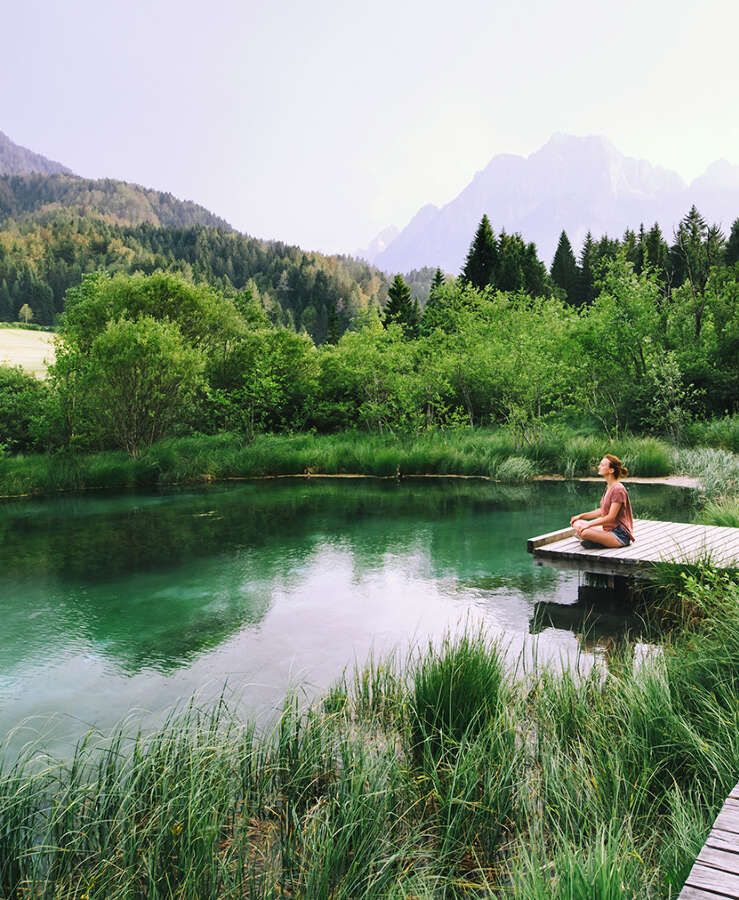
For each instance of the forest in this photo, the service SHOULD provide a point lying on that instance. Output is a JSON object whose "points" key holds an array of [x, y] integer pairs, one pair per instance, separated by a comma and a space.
{"points": [[153, 354]]}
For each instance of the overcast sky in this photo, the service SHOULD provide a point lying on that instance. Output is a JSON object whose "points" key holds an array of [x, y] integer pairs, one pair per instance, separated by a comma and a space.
{"points": [[321, 123]]}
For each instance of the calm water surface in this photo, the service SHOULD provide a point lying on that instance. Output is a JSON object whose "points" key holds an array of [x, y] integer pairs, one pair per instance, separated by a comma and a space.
{"points": [[125, 605]]}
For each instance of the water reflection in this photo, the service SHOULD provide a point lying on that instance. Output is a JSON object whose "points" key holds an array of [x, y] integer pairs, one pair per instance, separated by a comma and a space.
{"points": [[115, 601]]}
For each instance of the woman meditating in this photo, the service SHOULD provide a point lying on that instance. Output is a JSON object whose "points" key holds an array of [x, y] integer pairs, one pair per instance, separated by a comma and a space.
{"points": [[612, 525]]}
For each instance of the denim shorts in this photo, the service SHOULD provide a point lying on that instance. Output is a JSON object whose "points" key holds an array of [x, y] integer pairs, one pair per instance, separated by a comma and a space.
{"points": [[622, 535]]}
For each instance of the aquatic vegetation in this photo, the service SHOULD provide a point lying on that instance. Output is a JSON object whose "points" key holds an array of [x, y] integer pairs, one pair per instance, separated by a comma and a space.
{"points": [[558, 785], [492, 452]]}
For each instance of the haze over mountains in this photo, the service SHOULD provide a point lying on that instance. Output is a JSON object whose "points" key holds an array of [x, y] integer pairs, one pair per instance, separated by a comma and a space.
{"points": [[578, 184]]}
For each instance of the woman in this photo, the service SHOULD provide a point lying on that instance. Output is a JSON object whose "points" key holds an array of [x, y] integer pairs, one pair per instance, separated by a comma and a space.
{"points": [[612, 525]]}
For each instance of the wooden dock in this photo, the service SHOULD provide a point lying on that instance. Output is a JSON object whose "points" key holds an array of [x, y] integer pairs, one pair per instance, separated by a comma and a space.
{"points": [[654, 542], [715, 874]]}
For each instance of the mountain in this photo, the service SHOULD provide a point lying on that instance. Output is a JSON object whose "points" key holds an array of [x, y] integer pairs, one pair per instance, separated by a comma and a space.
{"points": [[35, 195], [376, 246], [17, 160], [580, 184]]}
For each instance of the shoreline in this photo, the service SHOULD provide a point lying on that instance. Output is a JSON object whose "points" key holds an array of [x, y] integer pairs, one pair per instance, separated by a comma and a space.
{"points": [[679, 481]]}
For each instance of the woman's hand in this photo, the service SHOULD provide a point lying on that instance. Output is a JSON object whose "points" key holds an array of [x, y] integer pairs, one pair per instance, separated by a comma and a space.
{"points": [[573, 520]]}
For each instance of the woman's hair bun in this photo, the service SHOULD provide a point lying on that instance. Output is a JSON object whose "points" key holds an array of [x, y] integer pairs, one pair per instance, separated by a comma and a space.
{"points": [[619, 469]]}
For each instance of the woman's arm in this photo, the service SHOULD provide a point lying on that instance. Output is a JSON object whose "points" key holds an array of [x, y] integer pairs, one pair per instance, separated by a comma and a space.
{"points": [[586, 515], [610, 516]]}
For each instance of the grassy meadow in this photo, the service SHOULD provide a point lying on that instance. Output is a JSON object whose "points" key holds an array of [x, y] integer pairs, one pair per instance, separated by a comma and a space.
{"points": [[442, 775], [34, 350]]}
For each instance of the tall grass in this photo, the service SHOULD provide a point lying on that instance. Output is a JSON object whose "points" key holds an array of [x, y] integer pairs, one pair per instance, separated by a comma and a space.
{"points": [[717, 470], [494, 453], [722, 434], [558, 786]]}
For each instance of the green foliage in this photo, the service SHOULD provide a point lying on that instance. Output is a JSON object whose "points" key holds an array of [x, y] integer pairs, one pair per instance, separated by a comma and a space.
{"points": [[481, 266], [564, 272], [21, 399], [457, 692], [400, 308]]}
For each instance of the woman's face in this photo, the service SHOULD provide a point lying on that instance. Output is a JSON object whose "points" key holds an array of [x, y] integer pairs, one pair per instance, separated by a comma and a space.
{"points": [[605, 467]]}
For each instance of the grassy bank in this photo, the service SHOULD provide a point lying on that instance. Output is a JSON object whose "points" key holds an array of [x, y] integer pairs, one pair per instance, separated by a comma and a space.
{"points": [[437, 776], [493, 453]]}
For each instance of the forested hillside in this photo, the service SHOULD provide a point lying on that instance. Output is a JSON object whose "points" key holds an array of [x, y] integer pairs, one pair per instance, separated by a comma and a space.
{"points": [[42, 257], [22, 196]]}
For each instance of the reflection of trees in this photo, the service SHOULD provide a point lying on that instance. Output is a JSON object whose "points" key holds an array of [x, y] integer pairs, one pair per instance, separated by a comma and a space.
{"points": [[153, 579]]}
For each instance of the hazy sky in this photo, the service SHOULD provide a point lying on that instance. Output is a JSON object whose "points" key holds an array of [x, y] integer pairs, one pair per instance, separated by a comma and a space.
{"points": [[321, 123]]}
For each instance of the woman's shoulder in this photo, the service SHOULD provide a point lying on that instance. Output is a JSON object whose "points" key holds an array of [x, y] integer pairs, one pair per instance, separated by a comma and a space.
{"points": [[617, 490]]}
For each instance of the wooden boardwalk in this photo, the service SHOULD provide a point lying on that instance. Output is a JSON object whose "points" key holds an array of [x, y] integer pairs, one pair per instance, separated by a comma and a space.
{"points": [[654, 542], [715, 874]]}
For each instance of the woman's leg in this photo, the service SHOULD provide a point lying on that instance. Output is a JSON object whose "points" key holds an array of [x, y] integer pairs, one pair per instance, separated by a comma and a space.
{"points": [[598, 536]]}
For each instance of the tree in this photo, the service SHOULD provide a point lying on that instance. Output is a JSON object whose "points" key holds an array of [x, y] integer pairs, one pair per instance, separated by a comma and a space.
{"points": [[696, 250], [138, 376], [400, 308], [6, 302], [656, 255], [438, 279], [333, 329], [731, 251], [564, 272], [481, 266], [25, 313], [586, 289]]}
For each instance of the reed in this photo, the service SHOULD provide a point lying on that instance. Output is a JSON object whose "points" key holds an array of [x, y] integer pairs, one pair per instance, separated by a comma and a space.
{"points": [[436, 775], [494, 453]]}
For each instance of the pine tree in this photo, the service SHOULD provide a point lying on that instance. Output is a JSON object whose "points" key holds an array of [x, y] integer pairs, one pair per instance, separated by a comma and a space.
{"points": [[438, 280], [629, 247], [656, 253], [481, 266], [6, 303], [641, 250], [400, 308], [564, 272], [586, 288], [333, 331], [731, 251]]}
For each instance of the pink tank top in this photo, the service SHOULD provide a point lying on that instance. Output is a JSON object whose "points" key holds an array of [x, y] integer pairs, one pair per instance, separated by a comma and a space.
{"points": [[617, 493]]}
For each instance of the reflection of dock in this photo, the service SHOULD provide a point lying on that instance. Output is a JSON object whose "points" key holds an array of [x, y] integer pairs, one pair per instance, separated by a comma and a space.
{"points": [[676, 542], [715, 874]]}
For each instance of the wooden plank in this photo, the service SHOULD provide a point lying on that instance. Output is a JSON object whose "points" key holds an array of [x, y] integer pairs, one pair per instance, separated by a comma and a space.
{"points": [[725, 860], [734, 795], [543, 539], [691, 893], [727, 820], [713, 880], [722, 840]]}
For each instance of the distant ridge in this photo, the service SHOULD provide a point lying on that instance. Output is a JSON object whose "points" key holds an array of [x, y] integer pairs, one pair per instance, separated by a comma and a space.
{"points": [[17, 160], [35, 195], [578, 184], [33, 186]]}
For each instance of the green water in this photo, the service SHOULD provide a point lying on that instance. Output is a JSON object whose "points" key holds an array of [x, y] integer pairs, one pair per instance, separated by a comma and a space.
{"points": [[122, 606]]}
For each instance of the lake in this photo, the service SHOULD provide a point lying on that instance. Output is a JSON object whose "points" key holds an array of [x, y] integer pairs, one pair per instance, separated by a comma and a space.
{"points": [[123, 605]]}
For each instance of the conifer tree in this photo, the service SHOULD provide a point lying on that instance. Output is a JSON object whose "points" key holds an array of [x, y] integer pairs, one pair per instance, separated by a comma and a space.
{"points": [[641, 250], [731, 252], [586, 289], [481, 266], [564, 271], [656, 250], [400, 308], [629, 247], [438, 279], [6, 303], [333, 331]]}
